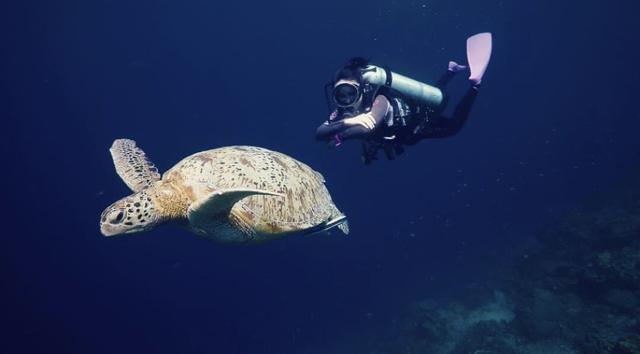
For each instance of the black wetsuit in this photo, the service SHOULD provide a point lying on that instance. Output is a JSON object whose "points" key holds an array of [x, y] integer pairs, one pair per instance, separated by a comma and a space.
{"points": [[439, 126]]}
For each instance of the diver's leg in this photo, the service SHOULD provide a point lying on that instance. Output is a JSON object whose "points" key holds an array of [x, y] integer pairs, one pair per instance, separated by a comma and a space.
{"points": [[452, 69], [479, 49], [451, 126], [444, 79], [462, 110], [443, 127]]}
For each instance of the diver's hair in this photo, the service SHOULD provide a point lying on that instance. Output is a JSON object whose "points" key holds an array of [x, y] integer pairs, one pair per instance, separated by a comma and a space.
{"points": [[352, 70], [358, 62]]}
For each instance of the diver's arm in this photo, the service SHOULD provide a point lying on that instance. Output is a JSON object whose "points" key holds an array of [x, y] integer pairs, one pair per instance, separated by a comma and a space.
{"points": [[362, 125], [328, 129], [355, 127]]}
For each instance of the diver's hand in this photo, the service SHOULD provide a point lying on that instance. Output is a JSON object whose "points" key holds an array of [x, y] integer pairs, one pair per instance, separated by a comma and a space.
{"points": [[335, 141], [365, 120]]}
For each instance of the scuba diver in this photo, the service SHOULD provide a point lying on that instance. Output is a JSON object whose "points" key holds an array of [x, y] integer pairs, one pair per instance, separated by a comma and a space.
{"points": [[387, 110]]}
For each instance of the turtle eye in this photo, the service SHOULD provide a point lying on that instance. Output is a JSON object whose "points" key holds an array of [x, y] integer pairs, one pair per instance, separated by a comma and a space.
{"points": [[118, 219]]}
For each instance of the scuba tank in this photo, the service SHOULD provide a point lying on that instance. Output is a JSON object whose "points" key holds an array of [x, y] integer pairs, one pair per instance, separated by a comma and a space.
{"points": [[419, 92], [375, 78], [416, 90]]}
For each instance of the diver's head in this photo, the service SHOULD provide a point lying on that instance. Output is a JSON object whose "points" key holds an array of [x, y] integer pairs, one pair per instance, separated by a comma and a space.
{"points": [[348, 84], [347, 94]]}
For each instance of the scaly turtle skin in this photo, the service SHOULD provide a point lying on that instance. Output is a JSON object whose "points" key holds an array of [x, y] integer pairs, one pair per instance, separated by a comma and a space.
{"points": [[236, 194]]}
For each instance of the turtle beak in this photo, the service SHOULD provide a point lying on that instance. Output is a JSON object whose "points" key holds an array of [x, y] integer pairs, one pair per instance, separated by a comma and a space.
{"points": [[107, 230]]}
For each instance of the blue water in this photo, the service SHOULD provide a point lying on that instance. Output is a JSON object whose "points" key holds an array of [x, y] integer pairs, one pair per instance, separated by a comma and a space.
{"points": [[555, 122]]}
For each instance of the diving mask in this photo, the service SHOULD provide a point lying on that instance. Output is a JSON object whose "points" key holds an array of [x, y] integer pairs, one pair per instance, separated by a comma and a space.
{"points": [[346, 93]]}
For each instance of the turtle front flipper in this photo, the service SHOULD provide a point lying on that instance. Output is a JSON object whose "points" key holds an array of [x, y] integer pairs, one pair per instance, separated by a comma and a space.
{"points": [[132, 165], [206, 213]]}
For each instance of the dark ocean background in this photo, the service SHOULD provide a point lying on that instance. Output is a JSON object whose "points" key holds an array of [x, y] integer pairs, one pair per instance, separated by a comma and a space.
{"points": [[555, 125]]}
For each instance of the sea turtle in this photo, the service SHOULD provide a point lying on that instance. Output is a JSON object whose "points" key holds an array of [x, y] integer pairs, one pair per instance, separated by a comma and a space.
{"points": [[235, 194]]}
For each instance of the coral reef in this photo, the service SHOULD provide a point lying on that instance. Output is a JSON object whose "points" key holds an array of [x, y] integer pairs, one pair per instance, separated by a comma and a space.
{"points": [[582, 286], [577, 292]]}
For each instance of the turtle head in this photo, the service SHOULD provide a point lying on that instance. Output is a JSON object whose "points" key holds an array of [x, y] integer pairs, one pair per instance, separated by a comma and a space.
{"points": [[134, 213]]}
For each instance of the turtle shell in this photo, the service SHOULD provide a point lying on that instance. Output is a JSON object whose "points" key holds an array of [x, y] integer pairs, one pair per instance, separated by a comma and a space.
{"points": [[304, 203]]}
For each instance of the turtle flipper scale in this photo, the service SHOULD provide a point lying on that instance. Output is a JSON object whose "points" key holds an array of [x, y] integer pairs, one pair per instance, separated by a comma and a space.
{"points": [[132, 165]]}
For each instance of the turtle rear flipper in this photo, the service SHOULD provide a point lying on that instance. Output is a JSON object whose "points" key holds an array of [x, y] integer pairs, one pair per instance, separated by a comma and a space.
{"points": [[344, 226], [132, 165], [339, 221]]}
